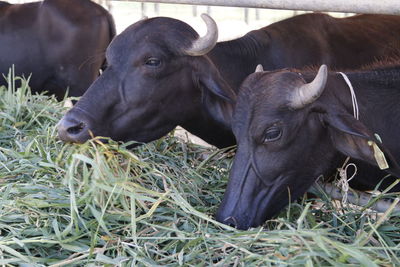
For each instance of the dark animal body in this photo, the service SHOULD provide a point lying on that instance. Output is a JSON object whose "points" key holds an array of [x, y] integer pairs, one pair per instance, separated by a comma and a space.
{"points": [[60, 42], [290, 131], [153, 84]]}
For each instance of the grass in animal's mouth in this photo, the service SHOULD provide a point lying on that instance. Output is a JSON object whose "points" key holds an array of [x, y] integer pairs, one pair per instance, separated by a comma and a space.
{"points": [[103, 204]]}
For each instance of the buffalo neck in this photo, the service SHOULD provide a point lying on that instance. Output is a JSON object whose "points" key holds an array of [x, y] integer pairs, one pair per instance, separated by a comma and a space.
{"points": [[236, 59], [378, 94], [203, 126]]}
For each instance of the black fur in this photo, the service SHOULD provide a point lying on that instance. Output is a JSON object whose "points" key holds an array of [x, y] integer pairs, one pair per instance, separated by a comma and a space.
{"points": [[60, 42]]}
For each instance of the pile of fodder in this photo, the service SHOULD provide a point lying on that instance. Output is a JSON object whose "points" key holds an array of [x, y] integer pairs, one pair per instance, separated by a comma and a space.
{"points": [[104, 204]]}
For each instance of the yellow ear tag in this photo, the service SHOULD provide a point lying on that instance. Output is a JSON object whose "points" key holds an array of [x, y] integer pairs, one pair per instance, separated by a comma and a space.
{"points": [[379, 156]]}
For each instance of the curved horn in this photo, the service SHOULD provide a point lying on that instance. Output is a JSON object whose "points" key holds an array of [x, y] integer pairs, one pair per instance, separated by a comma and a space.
{"points": [[204, 44], [259, 68], [309, 92]]}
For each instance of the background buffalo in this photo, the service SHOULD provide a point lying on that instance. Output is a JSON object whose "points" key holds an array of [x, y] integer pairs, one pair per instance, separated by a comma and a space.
{"points": [[60, 42]]}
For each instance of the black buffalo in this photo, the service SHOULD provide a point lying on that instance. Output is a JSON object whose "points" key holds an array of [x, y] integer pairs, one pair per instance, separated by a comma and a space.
{"points": [[290, 129], [60, 42], [161, 74]]}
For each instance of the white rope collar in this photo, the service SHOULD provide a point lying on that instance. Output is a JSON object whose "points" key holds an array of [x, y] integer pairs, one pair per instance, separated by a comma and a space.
{"points": [[353, 95], [343, 182]]}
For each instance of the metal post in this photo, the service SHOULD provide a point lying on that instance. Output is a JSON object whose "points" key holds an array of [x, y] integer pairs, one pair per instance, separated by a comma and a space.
{"points": [[352, 6], [109, 5], [194, 11], [246, 15], [257, 14], [143, 8], [157, 9]]}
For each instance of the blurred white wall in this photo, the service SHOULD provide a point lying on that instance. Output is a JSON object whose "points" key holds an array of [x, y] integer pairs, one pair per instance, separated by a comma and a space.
{"points": [[232, 21]]}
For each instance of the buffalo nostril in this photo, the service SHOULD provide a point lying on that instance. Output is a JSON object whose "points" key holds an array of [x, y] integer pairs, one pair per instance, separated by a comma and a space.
{"points": [[73, 130], [76, 129]]}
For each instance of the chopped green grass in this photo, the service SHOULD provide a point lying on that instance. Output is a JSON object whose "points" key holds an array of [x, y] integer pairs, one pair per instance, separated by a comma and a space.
{"points": [[104, 204]]}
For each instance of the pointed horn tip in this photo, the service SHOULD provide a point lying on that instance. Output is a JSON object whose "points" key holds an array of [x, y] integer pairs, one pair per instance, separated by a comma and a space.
{"points": [[204, 44], [323, 69], [205, 16], [259, 68], [323, 74], [208, 20]]}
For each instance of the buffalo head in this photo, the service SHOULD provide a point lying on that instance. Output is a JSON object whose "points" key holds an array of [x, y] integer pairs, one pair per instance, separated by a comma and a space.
{"points": [[288, 132], [158, 77]]}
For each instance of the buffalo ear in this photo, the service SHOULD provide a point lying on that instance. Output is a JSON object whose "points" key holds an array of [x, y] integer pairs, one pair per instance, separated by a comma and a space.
{"points": [[353, 139], [217, 96]]}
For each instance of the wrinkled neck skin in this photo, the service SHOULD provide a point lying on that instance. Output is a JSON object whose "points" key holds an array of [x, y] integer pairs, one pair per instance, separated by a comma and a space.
{"points": [[4, 4], [238, 58]]}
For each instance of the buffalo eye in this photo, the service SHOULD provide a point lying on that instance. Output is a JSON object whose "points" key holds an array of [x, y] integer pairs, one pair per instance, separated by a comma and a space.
{"points": [[153, 62], [272, 134]]}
